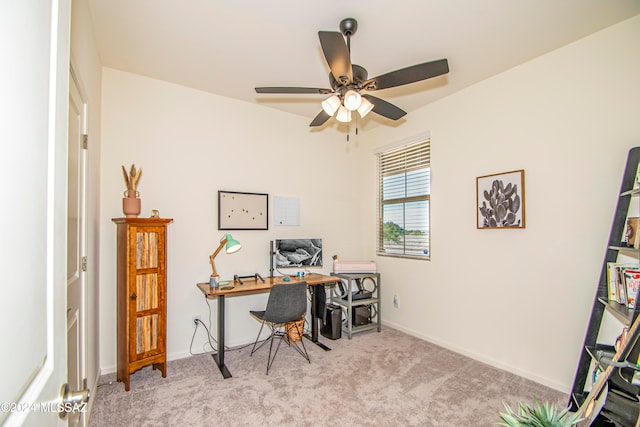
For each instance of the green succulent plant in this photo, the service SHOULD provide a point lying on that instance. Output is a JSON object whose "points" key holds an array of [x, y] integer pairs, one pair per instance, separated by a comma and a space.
{"points": [[504, 203], [538, 415]]}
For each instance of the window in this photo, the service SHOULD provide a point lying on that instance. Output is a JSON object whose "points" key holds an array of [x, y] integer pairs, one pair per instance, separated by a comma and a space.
{"points": [[404, 189]]}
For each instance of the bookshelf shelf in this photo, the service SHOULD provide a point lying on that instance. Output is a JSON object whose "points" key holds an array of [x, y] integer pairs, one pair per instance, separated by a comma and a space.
{"points": [[619, 311], [593, 352], [634, 192], [625, 249], [577, 399]]}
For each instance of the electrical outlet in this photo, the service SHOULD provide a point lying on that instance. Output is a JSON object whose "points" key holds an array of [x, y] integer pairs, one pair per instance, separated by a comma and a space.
{"points": [[196, 320], [396, 301]]}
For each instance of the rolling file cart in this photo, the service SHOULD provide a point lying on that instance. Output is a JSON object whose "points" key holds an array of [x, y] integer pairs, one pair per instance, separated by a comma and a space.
{"points": [[359, 298]]}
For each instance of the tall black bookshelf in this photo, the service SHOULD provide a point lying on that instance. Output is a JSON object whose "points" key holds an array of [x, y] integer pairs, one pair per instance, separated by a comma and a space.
{"points": [[583, 401]]}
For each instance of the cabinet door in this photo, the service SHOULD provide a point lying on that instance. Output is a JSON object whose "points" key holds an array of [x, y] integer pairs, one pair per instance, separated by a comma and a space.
{"points": [[147, 303]]}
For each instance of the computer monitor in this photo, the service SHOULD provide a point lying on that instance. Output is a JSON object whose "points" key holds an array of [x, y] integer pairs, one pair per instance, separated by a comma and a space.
{"points": [[297, 253]]}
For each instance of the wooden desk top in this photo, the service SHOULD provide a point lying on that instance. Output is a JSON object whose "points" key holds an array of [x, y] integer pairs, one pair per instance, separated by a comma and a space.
{"points": [[255, 285]]}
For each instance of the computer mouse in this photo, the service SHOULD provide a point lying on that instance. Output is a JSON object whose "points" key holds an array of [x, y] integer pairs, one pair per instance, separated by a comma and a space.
{"points": [[286, 279]]}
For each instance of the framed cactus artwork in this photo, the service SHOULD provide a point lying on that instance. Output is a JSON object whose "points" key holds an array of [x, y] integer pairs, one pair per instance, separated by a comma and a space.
{"points": [[500, 200]]}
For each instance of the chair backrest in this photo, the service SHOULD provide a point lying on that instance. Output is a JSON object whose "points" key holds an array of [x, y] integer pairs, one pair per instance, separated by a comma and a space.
{"points": [[287, 302]]}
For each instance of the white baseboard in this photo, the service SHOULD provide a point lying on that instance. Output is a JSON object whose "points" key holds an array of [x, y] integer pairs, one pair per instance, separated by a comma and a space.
{"points": [[107, 369], [173, 356]]}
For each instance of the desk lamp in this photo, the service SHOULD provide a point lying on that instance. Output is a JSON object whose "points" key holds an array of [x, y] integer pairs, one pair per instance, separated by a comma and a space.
{"points": [[231, 246]]}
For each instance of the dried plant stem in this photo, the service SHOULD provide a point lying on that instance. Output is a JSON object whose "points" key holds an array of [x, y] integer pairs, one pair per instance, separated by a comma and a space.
{"points": [[136, 178], [131, 179], [126, 177]]}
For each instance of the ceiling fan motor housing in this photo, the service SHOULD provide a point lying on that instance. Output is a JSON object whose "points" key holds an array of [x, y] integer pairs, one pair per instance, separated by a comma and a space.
{"points": [[360, 75]]}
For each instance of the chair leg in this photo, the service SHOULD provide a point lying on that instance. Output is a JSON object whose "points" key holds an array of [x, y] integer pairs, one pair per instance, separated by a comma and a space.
{"points": [[302, 351], [254, 349], [270, 359], [276, 333]]}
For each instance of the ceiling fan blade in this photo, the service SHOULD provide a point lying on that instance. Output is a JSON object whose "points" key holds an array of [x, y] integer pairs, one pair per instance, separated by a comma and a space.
{"points": [[312, 90], [412, 74], [384, 108], [337, 55], [320, 119]]}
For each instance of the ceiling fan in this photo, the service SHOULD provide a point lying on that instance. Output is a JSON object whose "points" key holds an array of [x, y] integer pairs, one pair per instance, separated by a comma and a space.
{"points": [[348, 80]]}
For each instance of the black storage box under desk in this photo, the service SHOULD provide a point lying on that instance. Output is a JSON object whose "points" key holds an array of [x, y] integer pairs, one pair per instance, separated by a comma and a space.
{"points": [[332, 328]]}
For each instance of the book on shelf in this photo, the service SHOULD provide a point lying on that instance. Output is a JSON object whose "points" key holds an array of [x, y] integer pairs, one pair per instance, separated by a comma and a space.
{"points": [[631, 234], [632, 284], [621, 288], [611, 282], [617, 287]]}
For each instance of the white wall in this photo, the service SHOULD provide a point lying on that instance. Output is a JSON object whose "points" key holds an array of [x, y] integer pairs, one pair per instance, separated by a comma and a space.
{"points": [[520, 299], [190, 144]]}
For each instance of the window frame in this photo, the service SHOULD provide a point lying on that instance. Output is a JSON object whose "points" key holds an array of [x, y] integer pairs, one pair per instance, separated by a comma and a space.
{"points": [[408, 149]]}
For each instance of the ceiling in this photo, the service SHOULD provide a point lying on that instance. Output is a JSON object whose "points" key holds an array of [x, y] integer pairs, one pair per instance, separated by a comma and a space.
{"points": [[230, 47]]}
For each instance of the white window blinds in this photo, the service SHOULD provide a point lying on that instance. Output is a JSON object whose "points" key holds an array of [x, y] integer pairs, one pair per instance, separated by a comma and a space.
{"points": [[404, 190]]}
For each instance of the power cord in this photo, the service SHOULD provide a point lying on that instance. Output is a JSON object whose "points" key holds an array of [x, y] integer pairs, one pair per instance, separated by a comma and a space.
{"points": [[211, 339], [214, 349]]}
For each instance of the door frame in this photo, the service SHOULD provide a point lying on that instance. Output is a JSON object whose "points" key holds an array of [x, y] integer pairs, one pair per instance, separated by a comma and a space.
{"points": [[76, 92]]}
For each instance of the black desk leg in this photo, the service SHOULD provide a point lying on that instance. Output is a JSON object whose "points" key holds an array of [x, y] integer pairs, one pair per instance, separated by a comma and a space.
{"points": [[219, 356], [314, 320]]}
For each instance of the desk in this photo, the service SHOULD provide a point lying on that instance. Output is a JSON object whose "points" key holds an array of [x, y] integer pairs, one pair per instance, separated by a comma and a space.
{"points": [[250, 286]]}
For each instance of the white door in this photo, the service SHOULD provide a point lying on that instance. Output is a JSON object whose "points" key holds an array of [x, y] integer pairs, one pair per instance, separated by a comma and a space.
{"points": [[34, 34], [76, 247]]}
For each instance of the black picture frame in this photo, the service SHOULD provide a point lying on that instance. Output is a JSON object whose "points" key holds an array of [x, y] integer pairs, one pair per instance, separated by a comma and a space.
{"points": [[243, 211]]}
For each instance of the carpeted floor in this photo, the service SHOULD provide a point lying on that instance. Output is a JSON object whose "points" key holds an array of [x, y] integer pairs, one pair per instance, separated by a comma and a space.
{"points": [[375, 379]]}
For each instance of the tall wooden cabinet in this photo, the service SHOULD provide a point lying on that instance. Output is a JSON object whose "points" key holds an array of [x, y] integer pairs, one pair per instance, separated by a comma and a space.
{"points": [[141, 299]]}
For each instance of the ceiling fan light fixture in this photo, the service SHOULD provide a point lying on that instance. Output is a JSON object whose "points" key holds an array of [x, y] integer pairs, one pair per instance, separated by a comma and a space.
{"points": [[331, 105], [365, 107], [352, 100], [343, 115]]}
